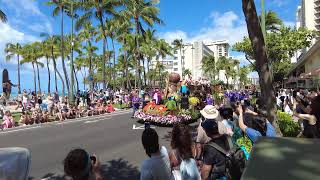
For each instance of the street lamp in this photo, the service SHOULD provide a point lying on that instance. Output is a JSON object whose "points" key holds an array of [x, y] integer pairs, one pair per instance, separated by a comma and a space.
{"points": [[263, 20]]}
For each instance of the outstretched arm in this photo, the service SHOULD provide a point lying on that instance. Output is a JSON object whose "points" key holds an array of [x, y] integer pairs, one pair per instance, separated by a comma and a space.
{"points": [[310, 118], [242, 126]]}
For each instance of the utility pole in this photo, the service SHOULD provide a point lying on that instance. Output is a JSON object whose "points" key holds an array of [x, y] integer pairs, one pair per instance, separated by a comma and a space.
{"points": [[263, 21]]}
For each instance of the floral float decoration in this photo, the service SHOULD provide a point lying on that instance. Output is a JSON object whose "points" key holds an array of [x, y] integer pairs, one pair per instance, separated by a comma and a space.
{"points": [[159, 114]]}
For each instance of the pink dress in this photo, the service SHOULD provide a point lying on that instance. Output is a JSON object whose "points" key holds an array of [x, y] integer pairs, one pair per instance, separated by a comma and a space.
{"points": [[7, 122]]}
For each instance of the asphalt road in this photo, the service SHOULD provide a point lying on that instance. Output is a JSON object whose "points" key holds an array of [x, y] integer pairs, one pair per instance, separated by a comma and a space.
{"points": [[111, 137]]}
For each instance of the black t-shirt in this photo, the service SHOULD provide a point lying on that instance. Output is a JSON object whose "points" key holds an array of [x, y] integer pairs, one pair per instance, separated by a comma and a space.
{"points": [[213, 157], [310, 131], [184, 103]]}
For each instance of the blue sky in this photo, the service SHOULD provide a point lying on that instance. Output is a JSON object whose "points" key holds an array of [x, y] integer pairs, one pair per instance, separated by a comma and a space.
{"points": [[187, 19]]}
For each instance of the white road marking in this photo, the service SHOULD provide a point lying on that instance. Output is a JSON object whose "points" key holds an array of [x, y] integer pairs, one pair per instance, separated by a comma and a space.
{"points": [[104, 116], [134, 127], [87, 122], [16, 130]]}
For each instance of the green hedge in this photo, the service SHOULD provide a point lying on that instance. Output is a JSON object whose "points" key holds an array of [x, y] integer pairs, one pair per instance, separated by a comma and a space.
{"points": [[288, 127]]}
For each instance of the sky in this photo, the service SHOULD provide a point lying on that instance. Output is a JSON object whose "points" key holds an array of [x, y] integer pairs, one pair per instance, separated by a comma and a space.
{"points": [[187, 19]]}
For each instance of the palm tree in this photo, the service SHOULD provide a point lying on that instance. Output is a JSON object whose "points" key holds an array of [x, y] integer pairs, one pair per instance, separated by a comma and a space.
{"points": [[100, 9], [3, 16], [243, 75], [87, 34], [148, 49], [12, 50], [273, 22], [187, 72], [53, 43], [31, 54], [61, 6], [163, 49], [111, 32], [209, 66], [126, 39], [178, 45], [46, 50], [224, 64], [141, 12]]}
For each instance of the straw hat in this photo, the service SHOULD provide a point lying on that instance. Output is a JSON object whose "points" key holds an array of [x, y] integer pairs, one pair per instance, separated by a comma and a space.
{"points": [[209, 112]]}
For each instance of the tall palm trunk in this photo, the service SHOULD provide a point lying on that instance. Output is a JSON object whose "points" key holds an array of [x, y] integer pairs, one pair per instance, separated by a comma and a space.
{"points": [[148, 67], [62, 54], [76, 78], [34, 78], [104, 74], [90, 73], [114, 64], [105, 44], [38, 78], [144, 73], [181, 61], [137, 56], [55, 69], [49, 76], [60, 76], [91, 81], [19, 88]]}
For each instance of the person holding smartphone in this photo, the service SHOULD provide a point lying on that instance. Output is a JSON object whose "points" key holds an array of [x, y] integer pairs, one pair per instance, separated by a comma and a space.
{"points": [[79, 165]]}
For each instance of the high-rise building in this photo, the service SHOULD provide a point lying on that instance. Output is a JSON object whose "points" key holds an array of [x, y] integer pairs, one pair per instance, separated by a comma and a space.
{"points": [[305, 72], [191, 56], [307, 16]]}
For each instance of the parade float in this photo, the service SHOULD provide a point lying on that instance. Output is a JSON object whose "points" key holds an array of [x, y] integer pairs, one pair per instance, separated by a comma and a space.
{"points": [[167, 110]]}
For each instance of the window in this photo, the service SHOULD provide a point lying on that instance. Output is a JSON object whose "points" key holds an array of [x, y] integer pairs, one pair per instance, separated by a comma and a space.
{"points": [[175, 52], [175, 58], [175, 69], [176, 64]]}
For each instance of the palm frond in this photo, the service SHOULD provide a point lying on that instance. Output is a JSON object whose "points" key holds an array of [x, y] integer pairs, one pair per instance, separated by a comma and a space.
{"points": [[80, 23], [3, 16]]}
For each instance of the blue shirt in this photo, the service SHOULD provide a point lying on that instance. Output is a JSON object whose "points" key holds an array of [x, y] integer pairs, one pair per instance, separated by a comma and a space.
{"points": [[184, 89], [254, 134]]}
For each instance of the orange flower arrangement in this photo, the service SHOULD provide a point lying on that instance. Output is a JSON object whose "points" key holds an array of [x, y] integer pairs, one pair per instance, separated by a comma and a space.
{"points": [[149, 106], [160, 109]]}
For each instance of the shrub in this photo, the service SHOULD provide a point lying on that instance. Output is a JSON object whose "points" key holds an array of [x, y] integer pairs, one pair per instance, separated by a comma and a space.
{"points": [[288, 127]]}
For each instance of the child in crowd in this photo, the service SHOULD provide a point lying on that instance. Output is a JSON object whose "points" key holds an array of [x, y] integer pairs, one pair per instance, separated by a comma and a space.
{"points": [[45, 116], [7, 121], [24, 119]]}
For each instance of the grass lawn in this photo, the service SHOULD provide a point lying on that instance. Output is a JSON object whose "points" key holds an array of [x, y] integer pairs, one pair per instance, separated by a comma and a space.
{"points": [[16, 117]]}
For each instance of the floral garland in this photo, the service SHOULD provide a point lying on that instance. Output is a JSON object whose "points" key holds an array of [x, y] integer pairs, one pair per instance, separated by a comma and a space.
{"points": [[163, 120]]}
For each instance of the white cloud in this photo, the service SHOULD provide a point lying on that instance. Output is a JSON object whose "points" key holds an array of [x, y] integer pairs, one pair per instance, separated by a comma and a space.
{"points": [[170, 36], [23, 6], [227, 26], [40, 28], [26, 9], [10, 35]]}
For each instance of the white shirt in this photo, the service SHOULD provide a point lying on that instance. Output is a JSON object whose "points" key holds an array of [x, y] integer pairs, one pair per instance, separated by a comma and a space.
{"points": [[157, 168]]}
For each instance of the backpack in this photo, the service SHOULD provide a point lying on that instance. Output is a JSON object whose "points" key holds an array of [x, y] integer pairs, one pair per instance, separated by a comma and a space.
{"points": [[235, 160]]}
